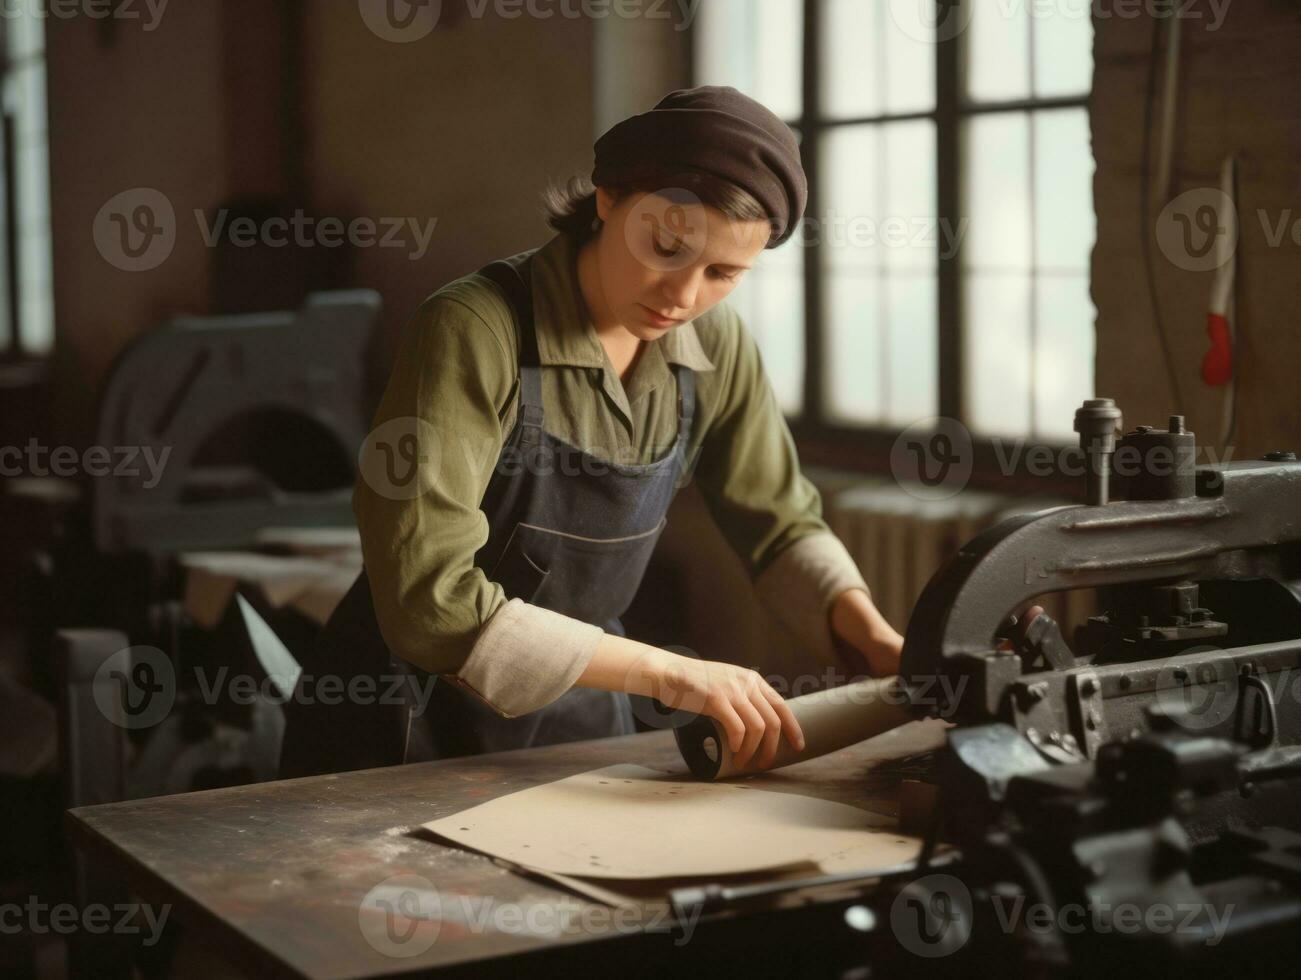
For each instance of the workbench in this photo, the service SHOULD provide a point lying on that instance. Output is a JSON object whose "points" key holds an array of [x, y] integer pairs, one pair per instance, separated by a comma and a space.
{"points": [[273, 874]]}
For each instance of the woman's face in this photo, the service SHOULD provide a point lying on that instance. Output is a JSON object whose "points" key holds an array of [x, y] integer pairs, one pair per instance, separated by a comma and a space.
{"points": [[659, 256]]}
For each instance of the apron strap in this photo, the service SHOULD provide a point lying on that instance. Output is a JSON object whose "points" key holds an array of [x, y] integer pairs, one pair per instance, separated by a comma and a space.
{"points": [[686, 399], [686, 415], [517, 284]]}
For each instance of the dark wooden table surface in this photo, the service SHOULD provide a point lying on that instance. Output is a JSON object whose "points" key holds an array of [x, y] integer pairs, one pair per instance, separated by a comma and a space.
{"points": [[275, 874]]}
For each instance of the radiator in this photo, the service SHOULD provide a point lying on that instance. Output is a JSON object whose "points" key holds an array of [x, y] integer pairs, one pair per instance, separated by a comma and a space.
{"points": [[899, 539]]}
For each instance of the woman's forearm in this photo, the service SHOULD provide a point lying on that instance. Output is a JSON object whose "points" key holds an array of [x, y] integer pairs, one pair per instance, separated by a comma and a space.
{"points": [[620, 664], [752, 715]]}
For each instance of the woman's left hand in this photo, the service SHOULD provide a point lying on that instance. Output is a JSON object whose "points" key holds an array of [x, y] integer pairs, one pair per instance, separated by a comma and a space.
{"points": [[856, 621]]}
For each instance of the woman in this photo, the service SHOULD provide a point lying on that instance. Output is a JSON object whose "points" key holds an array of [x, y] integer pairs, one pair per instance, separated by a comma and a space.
{"points": [[550, 406]]}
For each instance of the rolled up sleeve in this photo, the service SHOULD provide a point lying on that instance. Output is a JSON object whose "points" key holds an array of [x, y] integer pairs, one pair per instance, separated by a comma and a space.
{"points": [[801, 585], [769, 512], [451, 384], [526, 657]]}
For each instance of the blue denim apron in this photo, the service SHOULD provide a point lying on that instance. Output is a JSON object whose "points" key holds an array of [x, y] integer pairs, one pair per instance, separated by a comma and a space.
{"points": [[568, 531]]}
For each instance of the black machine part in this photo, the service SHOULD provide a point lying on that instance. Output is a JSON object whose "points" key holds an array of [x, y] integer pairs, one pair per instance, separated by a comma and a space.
{"points": [[1186, 532], [1094, 840]]}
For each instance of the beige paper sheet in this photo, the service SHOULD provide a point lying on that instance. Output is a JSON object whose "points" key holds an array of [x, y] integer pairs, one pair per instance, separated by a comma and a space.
{"points": [[631, 822], [652, 895]]}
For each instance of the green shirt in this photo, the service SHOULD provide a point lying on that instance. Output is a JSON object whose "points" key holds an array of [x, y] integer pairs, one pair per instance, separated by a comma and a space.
{"points": [[456, 372]]}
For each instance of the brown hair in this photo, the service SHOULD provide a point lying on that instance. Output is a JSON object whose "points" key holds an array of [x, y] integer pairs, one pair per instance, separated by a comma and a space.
{"points": [[572, 208]]}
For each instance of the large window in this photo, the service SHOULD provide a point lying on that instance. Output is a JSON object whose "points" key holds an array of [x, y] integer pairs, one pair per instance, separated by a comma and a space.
{"points": [[943, 264], [26, 292]]}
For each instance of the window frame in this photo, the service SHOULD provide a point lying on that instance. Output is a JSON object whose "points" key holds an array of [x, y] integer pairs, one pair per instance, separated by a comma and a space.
{"points": [[868, 447]]}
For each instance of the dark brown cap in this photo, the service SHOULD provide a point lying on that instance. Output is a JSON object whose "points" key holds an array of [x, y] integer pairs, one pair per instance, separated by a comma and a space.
{"points": [[719, 131]]}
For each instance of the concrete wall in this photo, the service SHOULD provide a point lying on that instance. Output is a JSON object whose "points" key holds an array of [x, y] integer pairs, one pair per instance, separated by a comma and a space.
{"points": [[464, 126], [1237, 94], [128, 109]]}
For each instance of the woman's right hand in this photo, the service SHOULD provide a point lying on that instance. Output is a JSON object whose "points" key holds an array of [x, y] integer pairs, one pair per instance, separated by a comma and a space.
{"points": [[751, 714]]}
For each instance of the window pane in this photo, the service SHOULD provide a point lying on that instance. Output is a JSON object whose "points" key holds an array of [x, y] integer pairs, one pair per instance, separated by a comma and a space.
{"points": [[997, 193], [879, 236], [880, 58], [1065, 231], [6, 326], [998, 51], [851, 75], [24, 28], [852, 188], [909, 57], [912, 344], [853, 176], [1064, 353], [997, 353], [1029, 321], [1065, 226], [770, 301], [853, 375], [907, 208], [1063, 49], [754, 46], [24, 101]]}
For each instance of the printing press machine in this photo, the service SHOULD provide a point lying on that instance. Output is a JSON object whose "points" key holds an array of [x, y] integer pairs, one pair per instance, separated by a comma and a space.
{"points": [[258, 418], [1126, 802]]}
